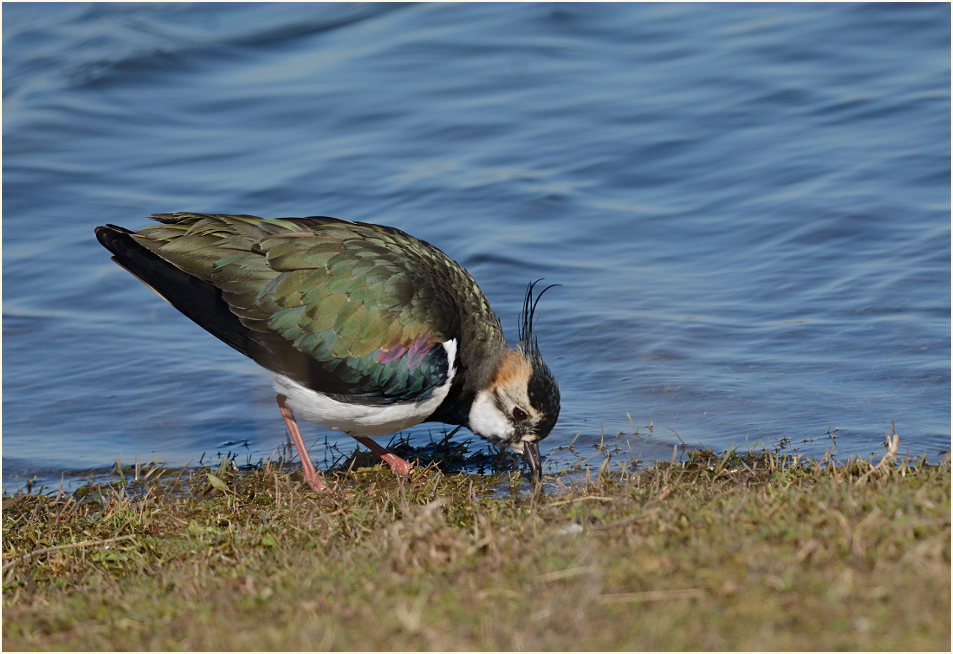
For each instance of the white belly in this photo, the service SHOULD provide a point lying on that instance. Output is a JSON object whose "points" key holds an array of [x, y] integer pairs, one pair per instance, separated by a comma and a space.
{"points": [[362, 419]]}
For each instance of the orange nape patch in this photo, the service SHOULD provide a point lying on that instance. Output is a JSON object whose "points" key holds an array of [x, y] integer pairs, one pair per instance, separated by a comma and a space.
{"points": [[514, 369]]}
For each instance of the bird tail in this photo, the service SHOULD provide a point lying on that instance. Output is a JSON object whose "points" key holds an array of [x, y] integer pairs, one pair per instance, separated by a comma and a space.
{"points": [[200, 301]]}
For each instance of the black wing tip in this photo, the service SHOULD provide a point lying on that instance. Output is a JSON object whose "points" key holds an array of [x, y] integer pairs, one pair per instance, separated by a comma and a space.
{"points": [[109, 228], [199, 300], [112, 237], [115, 238], [109, 231]]}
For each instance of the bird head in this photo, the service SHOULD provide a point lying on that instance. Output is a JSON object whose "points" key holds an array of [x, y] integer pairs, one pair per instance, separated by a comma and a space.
{"points": [[521, 404]]}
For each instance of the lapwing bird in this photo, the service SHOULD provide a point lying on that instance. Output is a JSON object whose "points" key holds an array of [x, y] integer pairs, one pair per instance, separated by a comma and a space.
{"points": [[366, 329]]}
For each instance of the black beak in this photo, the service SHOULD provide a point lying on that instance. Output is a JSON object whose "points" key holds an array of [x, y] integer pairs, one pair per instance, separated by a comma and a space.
{"points": [[531, 453]]}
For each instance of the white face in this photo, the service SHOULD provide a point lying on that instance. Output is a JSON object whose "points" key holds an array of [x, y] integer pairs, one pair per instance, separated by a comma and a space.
{"points": [[504, 415], [489, 421]]}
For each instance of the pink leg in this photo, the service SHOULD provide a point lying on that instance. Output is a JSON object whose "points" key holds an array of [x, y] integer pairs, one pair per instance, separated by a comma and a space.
{"points": [[397, 464], [310, 476]]}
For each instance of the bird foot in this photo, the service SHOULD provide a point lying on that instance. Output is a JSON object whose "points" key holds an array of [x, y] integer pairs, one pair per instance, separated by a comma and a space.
{"points": [[316, 484], [397, 464], [400, 466]]}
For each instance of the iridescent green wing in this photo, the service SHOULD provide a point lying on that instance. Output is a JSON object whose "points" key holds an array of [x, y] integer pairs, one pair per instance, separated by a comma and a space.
{"points": [[345, 308]]}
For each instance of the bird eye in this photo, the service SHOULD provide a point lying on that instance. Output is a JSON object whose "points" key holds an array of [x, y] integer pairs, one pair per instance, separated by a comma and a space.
{"points": [[519, 414]]}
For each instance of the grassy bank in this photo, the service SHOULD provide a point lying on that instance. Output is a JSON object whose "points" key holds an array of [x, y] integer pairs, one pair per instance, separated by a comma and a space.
{"points": [[717, 552]]}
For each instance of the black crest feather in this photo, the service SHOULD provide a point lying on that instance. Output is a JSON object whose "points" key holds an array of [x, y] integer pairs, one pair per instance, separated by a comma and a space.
{"points": [[525, 329]]}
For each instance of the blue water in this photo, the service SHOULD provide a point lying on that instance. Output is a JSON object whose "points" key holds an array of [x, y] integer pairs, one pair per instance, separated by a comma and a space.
{"points": [[747, 206]]}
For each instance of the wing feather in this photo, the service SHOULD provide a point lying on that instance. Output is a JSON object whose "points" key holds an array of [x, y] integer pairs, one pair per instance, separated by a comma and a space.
{"points": [[347, 309]]}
